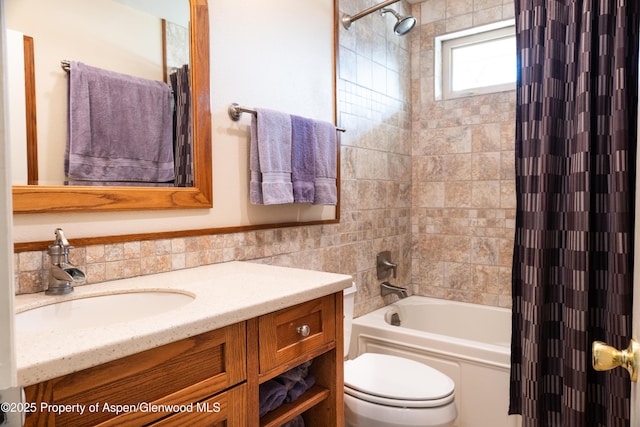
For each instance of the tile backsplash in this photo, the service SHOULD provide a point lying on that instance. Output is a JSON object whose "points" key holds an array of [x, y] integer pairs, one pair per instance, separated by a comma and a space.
{"points": [[341, 248]]}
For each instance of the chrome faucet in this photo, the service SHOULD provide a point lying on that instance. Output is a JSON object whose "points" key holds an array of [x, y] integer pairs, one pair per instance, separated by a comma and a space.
{"points": [[62, 272], [387, 288]]}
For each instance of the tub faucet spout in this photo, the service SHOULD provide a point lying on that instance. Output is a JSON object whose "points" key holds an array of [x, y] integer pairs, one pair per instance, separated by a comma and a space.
{"points": [[387, 288]]}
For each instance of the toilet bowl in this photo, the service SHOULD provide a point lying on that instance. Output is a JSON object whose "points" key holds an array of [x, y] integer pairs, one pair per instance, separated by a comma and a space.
{"points": [[382, 390]]}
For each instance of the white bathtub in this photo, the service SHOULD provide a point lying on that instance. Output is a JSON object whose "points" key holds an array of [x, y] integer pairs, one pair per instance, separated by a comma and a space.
{"points": [[468, 342]]}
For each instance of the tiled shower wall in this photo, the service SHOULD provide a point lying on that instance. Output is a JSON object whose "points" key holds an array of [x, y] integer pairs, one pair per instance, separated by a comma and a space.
{"points": [[374, 106], [463, 201]]}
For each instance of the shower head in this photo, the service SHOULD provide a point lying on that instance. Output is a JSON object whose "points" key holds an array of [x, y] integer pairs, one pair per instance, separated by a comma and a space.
{"points": [[403, 25]]}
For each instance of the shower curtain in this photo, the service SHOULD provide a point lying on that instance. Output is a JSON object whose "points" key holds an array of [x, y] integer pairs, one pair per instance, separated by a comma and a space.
{"points": [[576, 131]]}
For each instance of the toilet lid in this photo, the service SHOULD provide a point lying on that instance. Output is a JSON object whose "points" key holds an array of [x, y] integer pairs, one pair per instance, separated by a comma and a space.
{"points": [[397, 378]]}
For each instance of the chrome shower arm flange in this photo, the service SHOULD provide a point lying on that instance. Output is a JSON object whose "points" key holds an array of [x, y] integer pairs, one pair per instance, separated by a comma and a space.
{"points": [[348, 19]]}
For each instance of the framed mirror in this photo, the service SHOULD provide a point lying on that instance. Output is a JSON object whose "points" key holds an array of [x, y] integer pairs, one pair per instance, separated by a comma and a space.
{"points": [[77, 198], [242, 70]]}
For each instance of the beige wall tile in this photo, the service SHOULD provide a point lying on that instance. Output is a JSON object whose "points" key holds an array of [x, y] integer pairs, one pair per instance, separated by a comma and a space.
{"points": [[463, 252]]}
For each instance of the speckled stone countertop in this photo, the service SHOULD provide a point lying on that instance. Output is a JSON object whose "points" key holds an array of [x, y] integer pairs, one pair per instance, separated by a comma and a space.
{"points": [[224, 294]]}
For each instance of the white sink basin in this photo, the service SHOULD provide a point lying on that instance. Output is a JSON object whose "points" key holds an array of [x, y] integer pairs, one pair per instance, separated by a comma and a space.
{"points": [[100, 310]]}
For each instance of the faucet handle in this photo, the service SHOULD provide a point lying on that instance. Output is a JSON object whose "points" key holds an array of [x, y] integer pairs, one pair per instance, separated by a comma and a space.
{"points": [[61, 239], [392, 266], [384, 264], [59, 250], [61, 246]]}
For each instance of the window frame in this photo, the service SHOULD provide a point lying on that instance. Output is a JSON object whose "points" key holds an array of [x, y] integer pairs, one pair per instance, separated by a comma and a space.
{"points": [[443, 67]]}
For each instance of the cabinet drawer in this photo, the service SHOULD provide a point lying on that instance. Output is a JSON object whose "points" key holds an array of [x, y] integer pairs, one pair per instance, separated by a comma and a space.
{"points": [[179, 373], [226, 409], [290, 333]]}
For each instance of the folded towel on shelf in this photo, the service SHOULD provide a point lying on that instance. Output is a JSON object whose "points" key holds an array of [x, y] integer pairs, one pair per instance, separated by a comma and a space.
{"points": [[300, 387], [304, 142], [296, 422], [271, 395], [294, 375], [273, 143], [326, 171], [296, 381], [120, 127]]}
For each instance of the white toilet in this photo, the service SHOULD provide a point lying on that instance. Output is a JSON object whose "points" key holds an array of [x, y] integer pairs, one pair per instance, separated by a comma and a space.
{"points": [[389, 391]]}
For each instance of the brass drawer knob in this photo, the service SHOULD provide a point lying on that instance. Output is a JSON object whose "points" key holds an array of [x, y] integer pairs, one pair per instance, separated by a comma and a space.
{"points": [[304, 330]]}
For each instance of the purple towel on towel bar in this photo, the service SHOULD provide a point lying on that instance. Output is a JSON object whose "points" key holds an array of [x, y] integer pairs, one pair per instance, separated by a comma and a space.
{"points": [[273, 143], [255, 182], [120, 127], [303, 141], [326, 169]]}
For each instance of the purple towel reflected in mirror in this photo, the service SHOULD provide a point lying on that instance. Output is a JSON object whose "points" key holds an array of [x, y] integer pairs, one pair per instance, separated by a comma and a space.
{"points": [[120, 127]]}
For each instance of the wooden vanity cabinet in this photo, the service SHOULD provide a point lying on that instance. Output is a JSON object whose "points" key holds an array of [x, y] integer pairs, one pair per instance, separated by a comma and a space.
{"points": [[215, 376], [199, 371]]}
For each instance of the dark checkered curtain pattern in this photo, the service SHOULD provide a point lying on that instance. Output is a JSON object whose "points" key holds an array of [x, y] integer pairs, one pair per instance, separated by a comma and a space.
{"points": [[575, 173], [183, 140]]}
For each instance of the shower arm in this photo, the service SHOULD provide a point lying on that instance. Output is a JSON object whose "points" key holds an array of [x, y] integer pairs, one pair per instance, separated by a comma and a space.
{"points": [[347, 20]]}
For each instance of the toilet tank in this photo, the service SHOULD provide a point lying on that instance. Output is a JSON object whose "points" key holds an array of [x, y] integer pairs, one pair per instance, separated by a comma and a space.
{"points": [[349, 296]]}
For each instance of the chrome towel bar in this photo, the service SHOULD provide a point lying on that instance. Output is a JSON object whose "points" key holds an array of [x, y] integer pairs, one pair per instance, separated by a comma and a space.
{"points": [[236, 110]]}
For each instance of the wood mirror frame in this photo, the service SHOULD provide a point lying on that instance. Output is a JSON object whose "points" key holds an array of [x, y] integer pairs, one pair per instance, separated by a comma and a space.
{"points": [[51, 198]]}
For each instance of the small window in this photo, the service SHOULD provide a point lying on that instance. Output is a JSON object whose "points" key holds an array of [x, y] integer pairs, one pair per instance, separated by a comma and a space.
{"points": [[476, 61]]}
